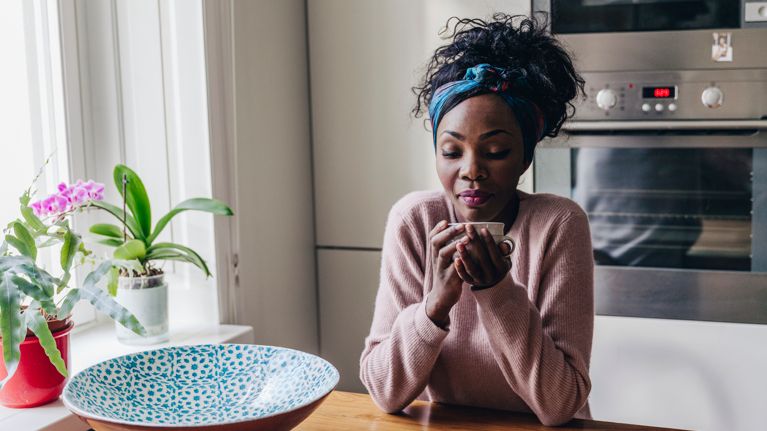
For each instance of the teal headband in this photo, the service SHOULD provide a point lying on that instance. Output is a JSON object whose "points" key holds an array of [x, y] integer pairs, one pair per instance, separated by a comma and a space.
{"points": [[510, 85]]}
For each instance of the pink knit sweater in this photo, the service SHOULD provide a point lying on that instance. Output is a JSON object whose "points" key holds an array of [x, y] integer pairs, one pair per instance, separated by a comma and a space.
{"points": [[522, 345]]}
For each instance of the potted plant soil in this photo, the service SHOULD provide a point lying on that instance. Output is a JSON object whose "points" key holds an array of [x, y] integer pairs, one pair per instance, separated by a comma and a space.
{"points": [[143, 290], [36, 306]]}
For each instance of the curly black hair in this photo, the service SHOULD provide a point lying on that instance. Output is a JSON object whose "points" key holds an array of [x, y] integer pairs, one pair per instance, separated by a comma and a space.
{"points": [[514, 42]]}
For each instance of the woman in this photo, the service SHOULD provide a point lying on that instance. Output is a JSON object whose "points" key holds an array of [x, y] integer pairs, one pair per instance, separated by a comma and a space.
{"points": [[456, 321]]}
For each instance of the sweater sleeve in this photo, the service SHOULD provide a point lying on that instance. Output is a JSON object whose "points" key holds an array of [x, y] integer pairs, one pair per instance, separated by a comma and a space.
{"points": [[404, 343], [544, 350]]}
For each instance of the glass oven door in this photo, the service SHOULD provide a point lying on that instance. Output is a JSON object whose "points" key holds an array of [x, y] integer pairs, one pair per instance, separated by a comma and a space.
{"points": [[683, 208], [599, 16], [678, 218]]}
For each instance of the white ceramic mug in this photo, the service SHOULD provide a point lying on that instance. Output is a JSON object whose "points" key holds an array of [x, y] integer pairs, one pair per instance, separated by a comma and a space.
{"points": [[494, 228]]}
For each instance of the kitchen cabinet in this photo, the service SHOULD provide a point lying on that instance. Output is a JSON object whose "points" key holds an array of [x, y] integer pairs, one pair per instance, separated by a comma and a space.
{"points": [[348, 282]]}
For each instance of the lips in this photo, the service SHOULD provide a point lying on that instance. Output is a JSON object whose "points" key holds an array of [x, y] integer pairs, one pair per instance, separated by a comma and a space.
{"points": [[474, 197]]}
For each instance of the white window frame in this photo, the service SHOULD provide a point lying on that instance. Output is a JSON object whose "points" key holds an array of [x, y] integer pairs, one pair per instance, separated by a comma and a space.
{"points": [[130, 103]]}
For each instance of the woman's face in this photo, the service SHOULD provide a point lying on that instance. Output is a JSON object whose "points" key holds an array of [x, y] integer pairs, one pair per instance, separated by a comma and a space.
{"points": [[480, 157]]}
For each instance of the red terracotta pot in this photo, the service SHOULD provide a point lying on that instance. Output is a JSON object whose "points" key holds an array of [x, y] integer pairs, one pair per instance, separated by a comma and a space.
{"points": [[36, 381]]}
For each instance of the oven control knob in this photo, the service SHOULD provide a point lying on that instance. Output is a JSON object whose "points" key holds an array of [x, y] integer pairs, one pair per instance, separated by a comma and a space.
{"points": [[606, 99], [712, 97]]}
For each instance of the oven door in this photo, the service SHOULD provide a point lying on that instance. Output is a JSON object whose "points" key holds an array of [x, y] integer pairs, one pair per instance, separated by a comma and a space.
{"points": [[678, 214], [601, 16]]}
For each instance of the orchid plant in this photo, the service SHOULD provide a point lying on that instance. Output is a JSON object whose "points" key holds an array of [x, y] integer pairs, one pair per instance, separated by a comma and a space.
{"points": [[136, 239], [30, 295]]}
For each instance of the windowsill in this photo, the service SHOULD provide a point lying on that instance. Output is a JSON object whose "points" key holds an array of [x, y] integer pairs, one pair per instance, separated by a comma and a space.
{"points": [[98, 343]]}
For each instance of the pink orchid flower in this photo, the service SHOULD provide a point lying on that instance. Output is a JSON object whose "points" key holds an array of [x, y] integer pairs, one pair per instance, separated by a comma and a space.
{"points": [[68, 198]]}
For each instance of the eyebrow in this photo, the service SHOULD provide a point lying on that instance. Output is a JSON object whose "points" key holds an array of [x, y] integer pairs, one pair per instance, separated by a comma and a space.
{"points": [[485, 135]]}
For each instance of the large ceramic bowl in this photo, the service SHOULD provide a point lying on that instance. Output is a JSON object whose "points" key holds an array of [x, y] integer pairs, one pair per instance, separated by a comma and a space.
{"points": [[211, 387]]}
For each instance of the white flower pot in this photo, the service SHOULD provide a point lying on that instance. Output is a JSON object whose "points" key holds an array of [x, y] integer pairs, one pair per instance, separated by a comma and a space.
{"points": [[147, 299]]}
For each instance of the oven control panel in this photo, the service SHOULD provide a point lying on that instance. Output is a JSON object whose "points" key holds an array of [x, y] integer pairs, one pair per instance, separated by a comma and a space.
{"points": [[683, 95]]}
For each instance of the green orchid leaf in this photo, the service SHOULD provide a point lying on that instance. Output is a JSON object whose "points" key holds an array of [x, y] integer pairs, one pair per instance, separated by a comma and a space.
{"points": [[133, 249], [48, 243], [69, 250], [135, 197], [118, 213], [32, 220], [21, 246], [108, 230], [111, 242], [12, 326], [105, 304], [36, 322], [3, 248], [186, 254], [212, 206]]}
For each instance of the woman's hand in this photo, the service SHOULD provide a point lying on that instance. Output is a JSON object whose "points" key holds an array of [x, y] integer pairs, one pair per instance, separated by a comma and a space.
{"points": [[447, 285], [481, 262]]}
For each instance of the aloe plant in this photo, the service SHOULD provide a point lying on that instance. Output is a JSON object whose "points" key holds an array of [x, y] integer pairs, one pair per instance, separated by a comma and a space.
{"points": [[135, 238], [29, 293]]}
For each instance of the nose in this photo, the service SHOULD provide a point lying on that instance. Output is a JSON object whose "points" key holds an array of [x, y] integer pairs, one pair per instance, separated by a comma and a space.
{"points": [[472, 169]]}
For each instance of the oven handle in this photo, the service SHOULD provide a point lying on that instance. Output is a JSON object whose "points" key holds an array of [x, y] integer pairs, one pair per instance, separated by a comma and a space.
{"points": [[594, 126]]}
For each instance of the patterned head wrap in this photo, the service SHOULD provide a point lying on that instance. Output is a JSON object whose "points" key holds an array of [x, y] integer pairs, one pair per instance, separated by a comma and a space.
{"points": [[511, 85]]}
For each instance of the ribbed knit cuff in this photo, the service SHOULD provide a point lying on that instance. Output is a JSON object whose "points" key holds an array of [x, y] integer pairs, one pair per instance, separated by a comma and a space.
{"points": [[429, 332], [506, 291]]}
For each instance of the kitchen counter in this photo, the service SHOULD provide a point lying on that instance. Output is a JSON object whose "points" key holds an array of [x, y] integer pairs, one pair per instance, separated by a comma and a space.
{"points": [[349, 411]]}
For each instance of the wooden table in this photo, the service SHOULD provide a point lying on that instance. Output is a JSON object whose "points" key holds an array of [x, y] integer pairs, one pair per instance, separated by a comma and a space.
{"points": [[348, 411]]}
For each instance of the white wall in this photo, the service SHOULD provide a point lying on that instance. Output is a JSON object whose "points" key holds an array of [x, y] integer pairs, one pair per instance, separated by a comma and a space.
{"points": [[276, 293]]}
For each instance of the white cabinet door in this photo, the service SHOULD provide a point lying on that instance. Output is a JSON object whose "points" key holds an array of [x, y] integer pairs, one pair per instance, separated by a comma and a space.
{"points": [[348, 282], [365, 56]]}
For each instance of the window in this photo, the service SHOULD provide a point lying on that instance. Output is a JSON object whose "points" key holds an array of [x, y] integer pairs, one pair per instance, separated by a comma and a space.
{"points": [[32, 114], [99, 83]]}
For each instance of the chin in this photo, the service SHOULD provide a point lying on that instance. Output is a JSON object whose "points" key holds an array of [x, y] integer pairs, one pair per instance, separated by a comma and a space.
{"points": [[474, 214]]}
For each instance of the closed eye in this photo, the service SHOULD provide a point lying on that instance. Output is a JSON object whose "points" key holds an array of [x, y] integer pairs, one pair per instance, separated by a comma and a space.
{"points": [[450, 154], [498, 155]]}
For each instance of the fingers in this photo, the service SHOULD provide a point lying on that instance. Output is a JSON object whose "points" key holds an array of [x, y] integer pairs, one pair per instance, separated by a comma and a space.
{"points": [[482, 262], [470, 265], [439, 237], [505, 249], [494, 251], [445, 255], [460, 268], [441, 234], [475, 257], [483, 253], [441, 225]]}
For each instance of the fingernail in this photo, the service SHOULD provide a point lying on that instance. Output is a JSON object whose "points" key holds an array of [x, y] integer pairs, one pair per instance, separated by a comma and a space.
{"points": [[460, 227]]}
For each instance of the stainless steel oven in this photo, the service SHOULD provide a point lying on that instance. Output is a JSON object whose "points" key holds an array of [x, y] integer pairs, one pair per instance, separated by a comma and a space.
{"points": [[668, 153]]}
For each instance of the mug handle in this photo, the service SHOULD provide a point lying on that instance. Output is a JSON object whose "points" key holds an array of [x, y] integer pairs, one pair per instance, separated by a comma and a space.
{"points": [[511, 244]]}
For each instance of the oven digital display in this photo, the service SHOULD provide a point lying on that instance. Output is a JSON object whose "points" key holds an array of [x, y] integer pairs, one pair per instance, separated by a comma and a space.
{"points": [[659, 92]]}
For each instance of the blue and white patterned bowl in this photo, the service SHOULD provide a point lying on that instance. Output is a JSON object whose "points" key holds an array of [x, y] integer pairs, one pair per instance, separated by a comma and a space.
{"points": [[216, 386]]}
